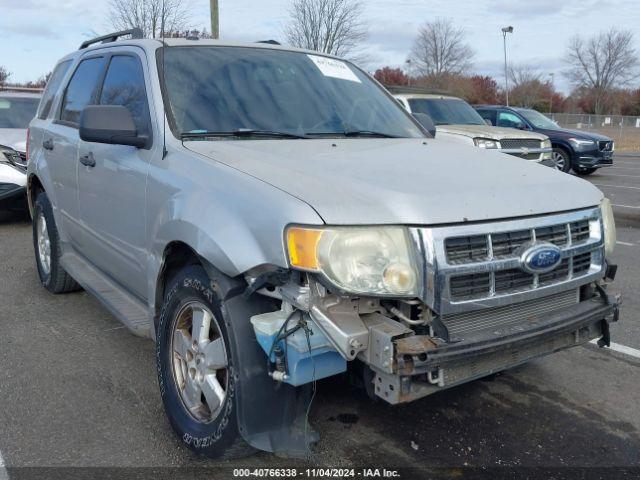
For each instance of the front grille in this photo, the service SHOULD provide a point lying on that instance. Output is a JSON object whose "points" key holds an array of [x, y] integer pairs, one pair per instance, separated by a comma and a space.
{"points": [[467, 249], [581, 264], [605, 145], [580, 231], [473, 249], [514, 280], [514, 143], [463, 325]]}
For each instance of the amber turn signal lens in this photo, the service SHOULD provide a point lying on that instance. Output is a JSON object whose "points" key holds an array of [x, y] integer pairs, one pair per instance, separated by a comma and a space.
{"points": [[303, 245]]}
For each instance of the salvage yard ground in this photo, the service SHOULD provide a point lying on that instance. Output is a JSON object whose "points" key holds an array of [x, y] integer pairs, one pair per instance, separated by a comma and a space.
{"points": [[77, 389]]}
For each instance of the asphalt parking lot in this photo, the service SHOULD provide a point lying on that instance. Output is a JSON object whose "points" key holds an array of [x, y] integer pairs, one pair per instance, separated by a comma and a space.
{"points": [[621, 183], [77, 390]]}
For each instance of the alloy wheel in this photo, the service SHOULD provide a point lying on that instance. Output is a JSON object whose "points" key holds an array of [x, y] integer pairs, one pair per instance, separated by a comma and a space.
{"points": [[44, 244], [199, 360], [559, 161]]}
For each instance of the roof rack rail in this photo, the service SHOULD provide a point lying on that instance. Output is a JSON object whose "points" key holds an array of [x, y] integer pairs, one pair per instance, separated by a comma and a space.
{"points": [[269, 42], [135, 33]]}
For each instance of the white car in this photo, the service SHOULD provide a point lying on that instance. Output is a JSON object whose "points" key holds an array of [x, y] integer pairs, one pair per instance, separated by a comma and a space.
{"points": [[456, 120], [17, 109]]}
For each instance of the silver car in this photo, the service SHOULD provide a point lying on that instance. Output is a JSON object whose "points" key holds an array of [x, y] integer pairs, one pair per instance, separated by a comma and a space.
{"points": [[272, 217]]}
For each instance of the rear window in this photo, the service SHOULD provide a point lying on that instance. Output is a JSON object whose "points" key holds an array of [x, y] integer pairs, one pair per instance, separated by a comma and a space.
{"points": [[52, 88], [17, 112]]}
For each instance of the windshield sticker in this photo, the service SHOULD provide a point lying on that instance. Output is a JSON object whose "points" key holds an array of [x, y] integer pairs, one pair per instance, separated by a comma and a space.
{"points": [[333, 68]]}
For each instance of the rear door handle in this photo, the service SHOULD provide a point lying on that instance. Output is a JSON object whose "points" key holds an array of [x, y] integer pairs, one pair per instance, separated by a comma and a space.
{"points": [[88, 160], [47, 144]]}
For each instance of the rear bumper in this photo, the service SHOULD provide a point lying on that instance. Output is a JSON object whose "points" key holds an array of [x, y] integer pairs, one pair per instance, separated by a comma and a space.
{"points": [[424, 368]]}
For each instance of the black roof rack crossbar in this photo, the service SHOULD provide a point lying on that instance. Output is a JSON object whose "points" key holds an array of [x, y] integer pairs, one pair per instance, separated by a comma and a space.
{"points": [[112, 37], [269, 42]]}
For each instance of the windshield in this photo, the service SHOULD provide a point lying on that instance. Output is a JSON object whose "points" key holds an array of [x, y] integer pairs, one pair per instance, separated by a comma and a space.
{"points": [[446, 111], [537, 119], [16, 112], [277, 93]]}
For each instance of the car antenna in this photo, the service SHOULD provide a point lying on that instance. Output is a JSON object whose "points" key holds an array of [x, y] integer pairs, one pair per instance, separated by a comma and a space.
{"points": [[164, 108]]}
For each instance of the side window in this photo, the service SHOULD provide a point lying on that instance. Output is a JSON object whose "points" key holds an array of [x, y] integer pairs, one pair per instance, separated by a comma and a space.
{"points": [[124, 85], [510, 120], [52, 88], [488, 115], [82, 89]]}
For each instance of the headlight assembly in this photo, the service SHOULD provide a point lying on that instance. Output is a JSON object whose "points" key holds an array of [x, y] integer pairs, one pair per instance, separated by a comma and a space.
{"points": [[546, 143], [582, 144], [486, 143], [377, 261], [609, 224]]}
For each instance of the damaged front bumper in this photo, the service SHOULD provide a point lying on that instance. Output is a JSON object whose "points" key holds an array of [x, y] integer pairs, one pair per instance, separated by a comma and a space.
{"points": [[414, 366]]}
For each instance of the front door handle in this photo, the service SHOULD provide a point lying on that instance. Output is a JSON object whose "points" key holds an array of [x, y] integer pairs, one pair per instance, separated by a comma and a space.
{"points": [[88, 160], [48, 144]]}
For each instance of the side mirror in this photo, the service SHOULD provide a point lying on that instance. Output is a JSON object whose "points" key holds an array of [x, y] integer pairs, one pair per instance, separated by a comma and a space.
{"points": [[110, 124], [488, 122], [426, 122]]}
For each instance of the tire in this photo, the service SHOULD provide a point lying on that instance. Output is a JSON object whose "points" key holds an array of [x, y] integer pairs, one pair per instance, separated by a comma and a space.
{"points": [[46, 246], [583, 172], [561, 159], [197, 380]]}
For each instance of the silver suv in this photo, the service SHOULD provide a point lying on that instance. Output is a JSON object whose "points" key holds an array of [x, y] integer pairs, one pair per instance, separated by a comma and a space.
{"points": [[272, 217]]}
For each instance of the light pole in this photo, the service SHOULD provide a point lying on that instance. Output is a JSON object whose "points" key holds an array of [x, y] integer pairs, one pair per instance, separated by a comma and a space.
{"points": [[408, 63], [215, 20], [506, 30]]}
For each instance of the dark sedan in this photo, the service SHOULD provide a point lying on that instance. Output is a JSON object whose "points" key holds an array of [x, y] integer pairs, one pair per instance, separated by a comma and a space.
{"points": [[584, 152]]}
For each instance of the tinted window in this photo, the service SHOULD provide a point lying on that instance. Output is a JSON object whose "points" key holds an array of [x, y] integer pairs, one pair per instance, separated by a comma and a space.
{"points": [[488, 115], [225, 89], [537, 119], [16, 112], [446, 111], [510, 120], [52, 88], [82, 89], [124, 85]]}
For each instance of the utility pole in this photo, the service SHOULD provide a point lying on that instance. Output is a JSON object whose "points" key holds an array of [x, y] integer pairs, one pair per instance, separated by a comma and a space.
{"points": [[551, 76], [215, 19], [506, 30]]}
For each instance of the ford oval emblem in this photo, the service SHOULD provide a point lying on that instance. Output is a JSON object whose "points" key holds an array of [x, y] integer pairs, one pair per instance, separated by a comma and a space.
{"points": [[541, 258]]}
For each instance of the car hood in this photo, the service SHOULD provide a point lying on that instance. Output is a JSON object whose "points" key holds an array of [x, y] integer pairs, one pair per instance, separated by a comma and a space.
{"points": [[485, 131], [567, 133], [403, 181], [15, 138]]}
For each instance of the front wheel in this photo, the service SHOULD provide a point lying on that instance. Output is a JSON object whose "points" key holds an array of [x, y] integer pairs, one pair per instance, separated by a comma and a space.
{"points": [[195, 367], [584, 171], [561, 159]]}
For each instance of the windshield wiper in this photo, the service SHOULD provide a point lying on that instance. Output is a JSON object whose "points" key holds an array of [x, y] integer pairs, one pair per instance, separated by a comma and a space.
{"points": [[353, 134], [241, 132]]}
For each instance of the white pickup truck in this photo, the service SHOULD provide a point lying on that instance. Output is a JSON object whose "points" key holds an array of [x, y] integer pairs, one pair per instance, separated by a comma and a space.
{"points": [[456, 120], [16, 111]]}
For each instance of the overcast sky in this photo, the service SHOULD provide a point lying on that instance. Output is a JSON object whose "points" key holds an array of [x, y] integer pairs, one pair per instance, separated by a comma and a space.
{"points": [[34, 34]]}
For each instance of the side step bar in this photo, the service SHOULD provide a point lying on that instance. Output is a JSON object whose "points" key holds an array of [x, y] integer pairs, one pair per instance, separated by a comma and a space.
{"points": [[126, 308]]}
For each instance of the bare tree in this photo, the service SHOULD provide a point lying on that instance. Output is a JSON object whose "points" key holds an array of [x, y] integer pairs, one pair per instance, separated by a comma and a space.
{"points": [[148, 16], [4, 75], [527, 85], [441, 50], [602, 62], [328, 26]]}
